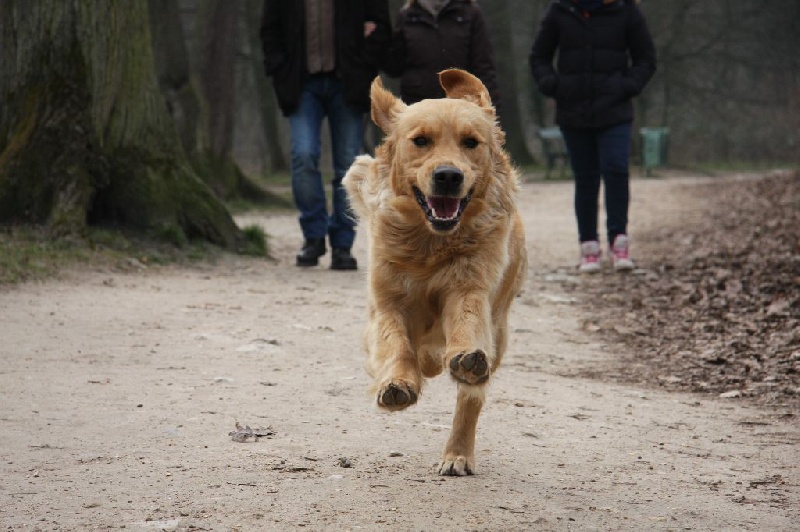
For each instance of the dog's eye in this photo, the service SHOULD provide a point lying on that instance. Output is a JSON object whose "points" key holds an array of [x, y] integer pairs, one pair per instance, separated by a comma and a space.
{"points": [[421, 141], [470, 143]]}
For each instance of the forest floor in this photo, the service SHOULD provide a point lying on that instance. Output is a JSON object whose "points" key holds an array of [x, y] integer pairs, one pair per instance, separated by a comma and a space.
{"points": [[666, 399]]}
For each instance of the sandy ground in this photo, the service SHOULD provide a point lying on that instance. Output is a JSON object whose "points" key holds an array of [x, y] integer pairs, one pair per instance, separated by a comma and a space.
{"points": [[118, 392]]}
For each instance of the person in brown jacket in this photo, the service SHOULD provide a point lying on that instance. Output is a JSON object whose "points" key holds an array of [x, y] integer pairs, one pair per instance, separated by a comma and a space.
{"points": [[433, 35]]}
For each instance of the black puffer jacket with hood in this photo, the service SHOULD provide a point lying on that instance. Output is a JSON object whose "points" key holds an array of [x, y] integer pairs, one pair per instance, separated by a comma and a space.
{"points": [[605, 58]]}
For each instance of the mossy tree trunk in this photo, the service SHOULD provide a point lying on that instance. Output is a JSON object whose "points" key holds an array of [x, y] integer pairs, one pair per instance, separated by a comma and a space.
{"points": [[85, 136]]}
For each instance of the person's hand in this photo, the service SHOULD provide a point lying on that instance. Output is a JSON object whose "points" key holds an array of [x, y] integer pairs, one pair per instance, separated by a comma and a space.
{"points": [[369, 27]]}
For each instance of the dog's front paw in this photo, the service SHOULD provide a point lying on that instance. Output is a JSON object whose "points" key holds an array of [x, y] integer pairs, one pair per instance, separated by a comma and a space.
{"points": [[455, 465], [470, 368], [396, 395]]}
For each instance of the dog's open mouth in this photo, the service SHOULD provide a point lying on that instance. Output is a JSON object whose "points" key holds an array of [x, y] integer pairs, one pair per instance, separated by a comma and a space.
{"points": [[443, 212]]}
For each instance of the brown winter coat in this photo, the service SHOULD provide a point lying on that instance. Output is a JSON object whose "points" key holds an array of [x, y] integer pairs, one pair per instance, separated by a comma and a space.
{"points": [[423, 45]]}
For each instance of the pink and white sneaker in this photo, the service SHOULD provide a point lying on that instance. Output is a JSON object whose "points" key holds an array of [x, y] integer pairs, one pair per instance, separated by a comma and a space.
{"points": [[620, 254], [590, 257]]}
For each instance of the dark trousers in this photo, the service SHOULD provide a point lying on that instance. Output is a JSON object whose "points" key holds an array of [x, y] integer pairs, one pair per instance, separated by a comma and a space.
{"points": [[322, 97], [596, 154]]}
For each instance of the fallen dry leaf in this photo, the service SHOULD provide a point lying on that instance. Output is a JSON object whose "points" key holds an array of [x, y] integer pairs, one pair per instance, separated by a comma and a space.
{"points": [[245, 434]]}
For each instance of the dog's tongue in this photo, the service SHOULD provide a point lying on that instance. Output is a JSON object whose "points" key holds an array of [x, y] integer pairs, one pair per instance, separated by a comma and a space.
{"points": [[443, 207]]}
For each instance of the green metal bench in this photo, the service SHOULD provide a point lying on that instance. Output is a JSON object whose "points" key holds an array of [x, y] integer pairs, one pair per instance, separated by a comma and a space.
{"points": [[554, 149]]}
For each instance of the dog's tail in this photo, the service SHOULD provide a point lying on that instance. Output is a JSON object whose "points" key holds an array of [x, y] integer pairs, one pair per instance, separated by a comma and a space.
{"points": [[360, 182]]}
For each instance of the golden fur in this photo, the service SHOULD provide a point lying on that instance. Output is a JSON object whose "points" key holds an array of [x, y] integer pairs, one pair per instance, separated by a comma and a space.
{"points": [[440, 283]]}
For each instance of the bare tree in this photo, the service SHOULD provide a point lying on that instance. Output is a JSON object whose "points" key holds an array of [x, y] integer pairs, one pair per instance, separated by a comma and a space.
{"points": [[728, 79]]}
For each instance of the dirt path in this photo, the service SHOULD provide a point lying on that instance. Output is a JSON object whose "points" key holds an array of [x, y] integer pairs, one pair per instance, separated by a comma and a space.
{"points": [[118, 391]]}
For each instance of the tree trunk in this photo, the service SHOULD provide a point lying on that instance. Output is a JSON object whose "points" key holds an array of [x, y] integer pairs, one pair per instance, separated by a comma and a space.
{"points": [[499, 18], [218, 73], [268, 105], [85, 136], [218, 21], [175, 75]]}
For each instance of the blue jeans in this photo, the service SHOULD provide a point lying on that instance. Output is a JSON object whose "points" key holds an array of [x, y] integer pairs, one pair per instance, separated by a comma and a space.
{"points": [[322, 96], [595, 154]]}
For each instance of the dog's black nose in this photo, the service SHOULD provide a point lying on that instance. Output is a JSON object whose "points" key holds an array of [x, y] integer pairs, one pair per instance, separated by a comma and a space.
{"points": [[447, 181]]}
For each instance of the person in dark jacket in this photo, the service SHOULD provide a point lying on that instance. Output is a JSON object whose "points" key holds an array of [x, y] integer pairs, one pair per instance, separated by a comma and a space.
{"points": [[434, 35], [606, 57], [322, 56]]}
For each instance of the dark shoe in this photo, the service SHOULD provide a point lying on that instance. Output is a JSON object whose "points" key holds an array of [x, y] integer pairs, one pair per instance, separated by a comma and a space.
{"points": [[343, 260], [312, 250]]}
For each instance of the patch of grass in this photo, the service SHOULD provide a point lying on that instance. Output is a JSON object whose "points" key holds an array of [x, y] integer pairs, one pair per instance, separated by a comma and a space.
{"points": [[28, 253], [101, 237], [171, 234], [256, 241]]}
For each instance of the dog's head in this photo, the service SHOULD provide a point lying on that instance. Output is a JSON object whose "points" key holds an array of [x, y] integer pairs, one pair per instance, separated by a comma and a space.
{"points": [[443, 153]]}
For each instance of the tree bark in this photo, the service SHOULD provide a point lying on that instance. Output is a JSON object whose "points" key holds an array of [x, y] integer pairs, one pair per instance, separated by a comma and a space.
{"points": [[218, 73], [499, 18], [268, 105], [175, 75], [85, 136]]}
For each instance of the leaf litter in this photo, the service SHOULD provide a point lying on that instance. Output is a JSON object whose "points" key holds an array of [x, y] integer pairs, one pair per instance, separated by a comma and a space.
{"points": [[716, 307]]}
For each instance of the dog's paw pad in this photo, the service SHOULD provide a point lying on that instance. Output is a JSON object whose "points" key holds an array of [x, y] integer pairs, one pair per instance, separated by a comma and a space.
{"points": [[455, 466], [396, 395], [470, 368]]}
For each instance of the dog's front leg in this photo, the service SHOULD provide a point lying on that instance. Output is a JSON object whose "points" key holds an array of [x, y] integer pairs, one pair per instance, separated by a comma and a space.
{"points": [[459, 453], [469, 355], [468, 334], [393, 364]]}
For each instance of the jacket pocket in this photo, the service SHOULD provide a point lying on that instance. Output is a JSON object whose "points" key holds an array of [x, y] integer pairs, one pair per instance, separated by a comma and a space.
{"points": [[615, 88], [629, 87]]}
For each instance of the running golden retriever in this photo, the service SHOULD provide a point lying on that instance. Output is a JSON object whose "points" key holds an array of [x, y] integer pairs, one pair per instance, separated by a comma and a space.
{"points": [[446, 250]]}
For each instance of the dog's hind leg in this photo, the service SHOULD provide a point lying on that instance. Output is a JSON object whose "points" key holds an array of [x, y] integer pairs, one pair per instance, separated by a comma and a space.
{"points": [[459, 453]]}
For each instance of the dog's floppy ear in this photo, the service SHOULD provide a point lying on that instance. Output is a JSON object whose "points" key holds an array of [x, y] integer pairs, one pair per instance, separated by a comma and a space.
{"points": [[461, 84], [385, 105]]}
